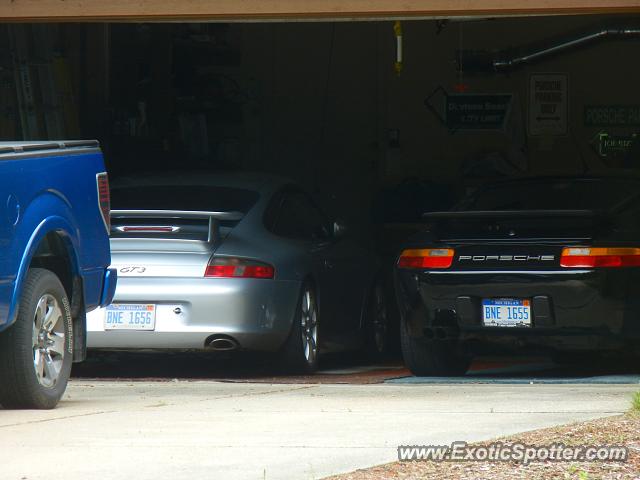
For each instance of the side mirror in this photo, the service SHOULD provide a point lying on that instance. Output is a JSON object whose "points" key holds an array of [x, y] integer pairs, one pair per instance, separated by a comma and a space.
{"points": [[339, 229]]}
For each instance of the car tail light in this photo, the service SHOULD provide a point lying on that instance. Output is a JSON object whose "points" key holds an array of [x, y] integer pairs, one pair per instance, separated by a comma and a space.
{"points": [[104, 199], [426, 258], [148, 229], [232, 267], [586, 257]]}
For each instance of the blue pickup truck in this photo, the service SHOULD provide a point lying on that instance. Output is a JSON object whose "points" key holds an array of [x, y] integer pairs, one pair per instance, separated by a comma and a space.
{"points": [[54, 259]]}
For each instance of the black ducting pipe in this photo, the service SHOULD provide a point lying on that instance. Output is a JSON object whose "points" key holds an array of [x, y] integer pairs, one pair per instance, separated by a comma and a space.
{"points": [[611, 33], [502, 62]]}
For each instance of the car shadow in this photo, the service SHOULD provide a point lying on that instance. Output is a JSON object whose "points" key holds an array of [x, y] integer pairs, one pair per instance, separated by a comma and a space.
{"points": [[345, 368], [159, 366]]}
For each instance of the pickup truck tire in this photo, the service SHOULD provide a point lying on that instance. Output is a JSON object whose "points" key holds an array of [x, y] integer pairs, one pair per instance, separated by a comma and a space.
{"points": [[36, 352]]}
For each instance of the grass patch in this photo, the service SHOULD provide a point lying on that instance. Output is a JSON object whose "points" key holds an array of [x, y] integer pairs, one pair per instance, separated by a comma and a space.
{"points": [[635, 403]]}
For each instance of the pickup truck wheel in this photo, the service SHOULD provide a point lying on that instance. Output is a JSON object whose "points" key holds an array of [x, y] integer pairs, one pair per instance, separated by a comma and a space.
{"points": [[36, 352], [431, 358]]}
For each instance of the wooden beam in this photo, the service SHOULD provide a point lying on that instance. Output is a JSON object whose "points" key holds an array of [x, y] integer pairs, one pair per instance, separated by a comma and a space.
{"points": [[251, 10]]}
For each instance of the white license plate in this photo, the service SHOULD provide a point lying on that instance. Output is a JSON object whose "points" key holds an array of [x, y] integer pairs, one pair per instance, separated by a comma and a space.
{"points": [[130, 316], [506, 312]]}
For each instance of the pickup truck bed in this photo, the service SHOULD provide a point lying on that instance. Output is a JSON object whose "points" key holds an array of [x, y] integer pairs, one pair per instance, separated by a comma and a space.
{"points": [[54, 217]]}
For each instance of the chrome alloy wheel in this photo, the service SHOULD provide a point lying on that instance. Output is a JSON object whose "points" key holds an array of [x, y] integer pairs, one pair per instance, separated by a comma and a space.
{"points": [[48, 341], [309, 324]]}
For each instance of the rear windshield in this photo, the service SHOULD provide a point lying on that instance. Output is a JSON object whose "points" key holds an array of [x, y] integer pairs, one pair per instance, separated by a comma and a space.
{"points": [[183, 197], [582, 194]]}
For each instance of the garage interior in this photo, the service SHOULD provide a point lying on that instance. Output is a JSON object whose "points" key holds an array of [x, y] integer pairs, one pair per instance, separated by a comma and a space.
{"points": [[326, 104], [379, 141]]}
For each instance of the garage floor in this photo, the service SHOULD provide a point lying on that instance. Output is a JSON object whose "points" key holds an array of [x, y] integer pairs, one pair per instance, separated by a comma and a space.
{"points": [[345, 369]]}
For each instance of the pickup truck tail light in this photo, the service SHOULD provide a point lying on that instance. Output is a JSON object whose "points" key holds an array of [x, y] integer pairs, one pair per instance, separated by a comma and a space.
{"points": [[233, 267], [104, 199], [586, 257], [429, 258]]}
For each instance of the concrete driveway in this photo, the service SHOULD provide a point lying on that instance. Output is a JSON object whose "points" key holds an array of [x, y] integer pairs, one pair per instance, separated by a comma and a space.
{"points": [[206, 429]]}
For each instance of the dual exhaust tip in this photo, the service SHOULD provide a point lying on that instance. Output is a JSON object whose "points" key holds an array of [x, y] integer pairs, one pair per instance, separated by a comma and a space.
{"points": [[221, 343]]}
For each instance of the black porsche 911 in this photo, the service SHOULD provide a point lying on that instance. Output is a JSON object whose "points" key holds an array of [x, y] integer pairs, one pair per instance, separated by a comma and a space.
{"points": [[538, 264]]}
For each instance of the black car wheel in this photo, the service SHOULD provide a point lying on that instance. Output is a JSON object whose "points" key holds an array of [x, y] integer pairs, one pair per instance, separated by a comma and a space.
{"points": [[377, 323], [300, 352], [431, 358], [36, 351]]}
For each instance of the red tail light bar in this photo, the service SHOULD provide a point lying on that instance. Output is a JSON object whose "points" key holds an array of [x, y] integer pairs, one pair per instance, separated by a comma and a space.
{"points": [[148, 229], [435, 258], [586, 257], [232, 267], [104, 199]]}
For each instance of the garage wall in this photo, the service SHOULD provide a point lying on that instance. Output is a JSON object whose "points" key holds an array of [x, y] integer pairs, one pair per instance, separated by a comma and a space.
{"points": [[317, 108], [599, 74], [319, 101], [345, 127]]}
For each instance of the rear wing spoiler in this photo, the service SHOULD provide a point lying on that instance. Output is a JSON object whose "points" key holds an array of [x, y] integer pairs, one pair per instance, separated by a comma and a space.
{"points": [[214, 219], [510, 214]]}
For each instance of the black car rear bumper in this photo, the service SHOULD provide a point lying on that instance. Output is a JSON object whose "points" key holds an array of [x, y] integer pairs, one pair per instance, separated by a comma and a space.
{"points": [[571, 309]]}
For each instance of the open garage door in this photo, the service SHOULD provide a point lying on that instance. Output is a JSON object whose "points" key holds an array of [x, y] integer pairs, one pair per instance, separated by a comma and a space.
{"points": [[327, 103], [473, 99], [252, 10]]}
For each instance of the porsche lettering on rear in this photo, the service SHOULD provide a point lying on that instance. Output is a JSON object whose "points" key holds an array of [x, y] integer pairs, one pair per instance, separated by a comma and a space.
{"points": [[506, 258]]}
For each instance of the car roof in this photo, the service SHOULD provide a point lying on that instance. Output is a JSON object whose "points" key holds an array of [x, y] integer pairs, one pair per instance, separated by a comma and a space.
{"points": [[260, 182]]}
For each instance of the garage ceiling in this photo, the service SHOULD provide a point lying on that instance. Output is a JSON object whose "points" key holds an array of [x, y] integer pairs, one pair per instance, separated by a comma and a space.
{"points": [[256, 10]]}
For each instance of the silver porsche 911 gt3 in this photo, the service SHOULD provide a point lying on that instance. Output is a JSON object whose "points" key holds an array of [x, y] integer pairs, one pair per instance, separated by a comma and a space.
{"points": [[236, 261]]}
